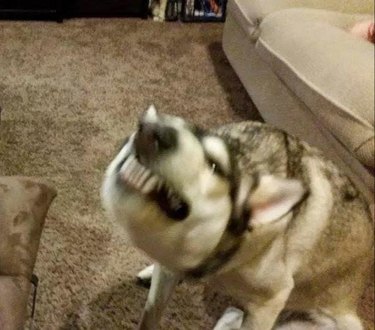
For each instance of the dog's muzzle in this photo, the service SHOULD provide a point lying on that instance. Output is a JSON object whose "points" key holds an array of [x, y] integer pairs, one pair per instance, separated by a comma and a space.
{"points": [[153, 138], [150, 140], [146, 142]]}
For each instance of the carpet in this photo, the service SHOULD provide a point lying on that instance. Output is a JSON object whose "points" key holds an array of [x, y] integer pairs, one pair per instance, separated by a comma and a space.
{"points": [[69, 95]]}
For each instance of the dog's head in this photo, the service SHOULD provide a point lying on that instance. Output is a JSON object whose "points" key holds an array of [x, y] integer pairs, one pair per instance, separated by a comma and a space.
{"points": [[173, 188]]}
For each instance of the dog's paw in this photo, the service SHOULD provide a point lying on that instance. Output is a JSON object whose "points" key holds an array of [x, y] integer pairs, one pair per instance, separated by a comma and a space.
{"points": [[306, 320], [144, 276], [231, 320]]}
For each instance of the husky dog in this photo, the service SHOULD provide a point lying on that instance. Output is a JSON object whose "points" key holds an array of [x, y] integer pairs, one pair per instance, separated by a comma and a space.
{"points": [[259, 213]]}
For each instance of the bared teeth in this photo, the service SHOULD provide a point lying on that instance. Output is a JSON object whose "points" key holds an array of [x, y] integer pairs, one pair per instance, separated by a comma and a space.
{"points": [[150, 185], [138, 171], [136, 176], [129, 170], [127, 167], [141, 178], [159, 185], [144, 176]]}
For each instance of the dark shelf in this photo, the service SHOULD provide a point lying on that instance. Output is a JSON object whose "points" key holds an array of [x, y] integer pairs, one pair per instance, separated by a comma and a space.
{"points": [[60, 9], [30, 14], [31, 9], [105, 8]]}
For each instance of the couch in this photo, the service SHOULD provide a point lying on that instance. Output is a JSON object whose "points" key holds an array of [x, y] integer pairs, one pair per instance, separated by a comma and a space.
{"points": [[24, 203], [308, 75]]}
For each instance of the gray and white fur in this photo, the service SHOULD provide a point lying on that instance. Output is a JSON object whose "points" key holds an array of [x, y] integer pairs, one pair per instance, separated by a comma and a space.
{"points": [[262, 215]]}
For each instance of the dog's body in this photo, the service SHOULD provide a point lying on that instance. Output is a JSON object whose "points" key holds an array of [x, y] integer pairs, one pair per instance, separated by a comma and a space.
{"points": [[262, 214]]}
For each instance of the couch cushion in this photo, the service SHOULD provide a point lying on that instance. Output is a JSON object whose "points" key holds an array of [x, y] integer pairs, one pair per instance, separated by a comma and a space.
{"points": [[330, 70], [250, 13]]}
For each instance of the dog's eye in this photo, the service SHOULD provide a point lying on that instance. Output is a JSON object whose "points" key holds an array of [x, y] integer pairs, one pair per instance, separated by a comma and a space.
{"points": [[215, 168]]}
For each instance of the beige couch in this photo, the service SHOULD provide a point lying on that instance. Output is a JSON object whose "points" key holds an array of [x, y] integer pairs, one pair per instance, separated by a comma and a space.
{"points": [[308, 75]]}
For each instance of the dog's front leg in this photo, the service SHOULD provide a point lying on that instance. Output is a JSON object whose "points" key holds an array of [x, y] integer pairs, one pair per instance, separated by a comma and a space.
{"points": [[263, 314], [162, 285]]}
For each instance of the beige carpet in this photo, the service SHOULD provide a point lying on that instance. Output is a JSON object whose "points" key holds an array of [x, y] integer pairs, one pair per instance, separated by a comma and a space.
{"points": [[70, 93]]}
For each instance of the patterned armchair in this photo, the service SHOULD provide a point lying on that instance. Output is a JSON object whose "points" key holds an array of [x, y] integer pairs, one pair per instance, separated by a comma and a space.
{"points": [[24, 203]]}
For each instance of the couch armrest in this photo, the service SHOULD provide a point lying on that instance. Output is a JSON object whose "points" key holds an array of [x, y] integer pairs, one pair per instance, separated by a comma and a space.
{"points": [[348, 6], [330, 70], [250, 13]]}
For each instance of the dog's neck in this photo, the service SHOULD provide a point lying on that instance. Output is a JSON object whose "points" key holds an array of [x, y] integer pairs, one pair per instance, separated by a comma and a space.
{"points": [[225, 249]]}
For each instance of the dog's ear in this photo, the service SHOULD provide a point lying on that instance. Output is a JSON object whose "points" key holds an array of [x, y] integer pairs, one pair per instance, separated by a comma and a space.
{"points": [[263, 200], [272, 198]]}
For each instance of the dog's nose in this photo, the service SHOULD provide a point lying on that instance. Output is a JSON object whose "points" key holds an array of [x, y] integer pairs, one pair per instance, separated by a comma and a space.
{"points": [[154, 137], [151, 114], [145, 142]]}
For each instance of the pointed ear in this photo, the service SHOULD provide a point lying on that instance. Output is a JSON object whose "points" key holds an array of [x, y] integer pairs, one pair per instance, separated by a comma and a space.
{"points": [[273, 198]]}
